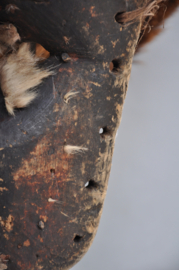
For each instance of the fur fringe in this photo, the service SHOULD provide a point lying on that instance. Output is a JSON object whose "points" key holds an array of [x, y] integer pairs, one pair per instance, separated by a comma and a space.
{"points": [[70, 95], [19, 71], [72, 149], [148, 10]]}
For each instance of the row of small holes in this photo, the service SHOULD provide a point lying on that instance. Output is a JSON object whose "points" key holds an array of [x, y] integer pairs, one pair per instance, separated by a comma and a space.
{"points": [[91, 184], [115, 64]]}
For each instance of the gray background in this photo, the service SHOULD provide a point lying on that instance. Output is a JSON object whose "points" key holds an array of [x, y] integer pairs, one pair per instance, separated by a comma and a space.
{"points": [[139, 228]]}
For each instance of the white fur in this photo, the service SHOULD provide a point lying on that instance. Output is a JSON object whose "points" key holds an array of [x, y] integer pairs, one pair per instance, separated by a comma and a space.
{"points": [[72, 149], [19, 73], [70, 95]]}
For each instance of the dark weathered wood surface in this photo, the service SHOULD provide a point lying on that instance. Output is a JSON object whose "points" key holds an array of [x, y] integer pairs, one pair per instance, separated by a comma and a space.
{"points": [[48, 214]]}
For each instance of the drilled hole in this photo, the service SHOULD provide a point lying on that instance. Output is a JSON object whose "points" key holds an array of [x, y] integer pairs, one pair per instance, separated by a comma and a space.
{"points": [[91, 184], [37, 256], [52, 171], [114, 66], [19, 245], [105, 132], [65, 57], [119, 17], [78, 238], [101, 131]]}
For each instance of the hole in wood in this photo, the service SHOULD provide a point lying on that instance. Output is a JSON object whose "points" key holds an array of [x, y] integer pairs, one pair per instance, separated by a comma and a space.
{"points": [[105, 132], [78, 238], [114, 66], [65, 57], [37, 256], [52, 171], [101, 131], [91, 184], [119, 17]]}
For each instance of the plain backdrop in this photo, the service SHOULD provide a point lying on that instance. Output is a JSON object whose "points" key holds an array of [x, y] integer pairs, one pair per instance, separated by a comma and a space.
{"points": [[139, 228]]}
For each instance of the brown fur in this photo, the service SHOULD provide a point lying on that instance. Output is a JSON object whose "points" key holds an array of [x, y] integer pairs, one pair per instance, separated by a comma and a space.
{"points": [[148, 10], [19, 73], [165, 11], [8, 37], [74, 149], [11, 8], [153, 11], [41, 52]]}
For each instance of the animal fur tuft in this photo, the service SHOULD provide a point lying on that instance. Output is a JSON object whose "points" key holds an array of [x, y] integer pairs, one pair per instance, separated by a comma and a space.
{"points": [[147, 11], [19, 73], [70, 95], [11, 8], [8, 37], [73, 149]]}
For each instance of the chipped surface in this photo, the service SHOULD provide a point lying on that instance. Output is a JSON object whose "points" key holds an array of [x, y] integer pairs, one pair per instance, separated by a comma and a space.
{"points": [[3, 188], [26, 243], [7, 224]]}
